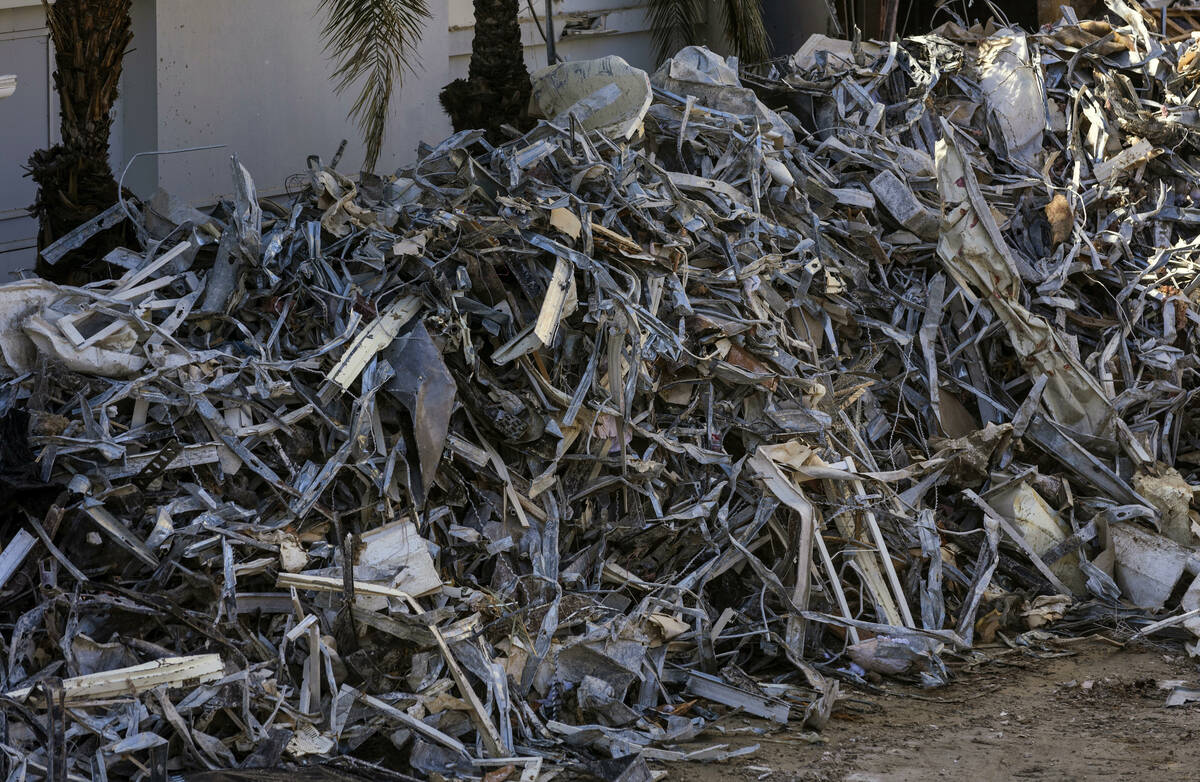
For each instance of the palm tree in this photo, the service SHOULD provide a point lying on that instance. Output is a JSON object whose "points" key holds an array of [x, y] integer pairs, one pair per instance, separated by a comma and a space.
{"points": [[496, 90], [74, 181], [374, 43]]}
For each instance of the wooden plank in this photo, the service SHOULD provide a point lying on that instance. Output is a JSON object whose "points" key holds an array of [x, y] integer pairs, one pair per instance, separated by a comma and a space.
{"points": [[554, 304], [136, 679], [375, 337]]}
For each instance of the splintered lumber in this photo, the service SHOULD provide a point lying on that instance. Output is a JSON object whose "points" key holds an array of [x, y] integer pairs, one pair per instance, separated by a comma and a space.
{"points": [[372, 339], [137, 679]]}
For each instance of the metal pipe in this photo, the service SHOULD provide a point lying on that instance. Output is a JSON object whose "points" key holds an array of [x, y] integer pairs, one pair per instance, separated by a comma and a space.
{"points": [[551, 53]]}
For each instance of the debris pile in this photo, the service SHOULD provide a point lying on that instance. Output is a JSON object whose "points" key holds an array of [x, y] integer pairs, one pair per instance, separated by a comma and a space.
{"points": [[707, 395]]}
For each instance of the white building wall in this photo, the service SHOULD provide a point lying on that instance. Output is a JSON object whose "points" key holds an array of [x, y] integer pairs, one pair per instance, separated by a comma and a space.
{"points": [[252, 75], [28, 121]]}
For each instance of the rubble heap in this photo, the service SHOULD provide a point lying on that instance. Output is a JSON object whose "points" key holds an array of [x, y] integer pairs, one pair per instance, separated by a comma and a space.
{"points": [[704, 395]]}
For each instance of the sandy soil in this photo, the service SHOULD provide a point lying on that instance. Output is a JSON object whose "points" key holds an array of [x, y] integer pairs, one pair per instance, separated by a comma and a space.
{"points": [[1096, 713]]}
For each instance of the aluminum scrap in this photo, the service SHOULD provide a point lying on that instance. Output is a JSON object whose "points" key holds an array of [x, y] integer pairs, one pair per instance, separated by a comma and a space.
{"points": [[494, 462]]}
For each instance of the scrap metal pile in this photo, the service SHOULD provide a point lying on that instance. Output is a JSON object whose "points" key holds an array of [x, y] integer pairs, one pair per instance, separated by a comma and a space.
{"points": [[696, 400]]}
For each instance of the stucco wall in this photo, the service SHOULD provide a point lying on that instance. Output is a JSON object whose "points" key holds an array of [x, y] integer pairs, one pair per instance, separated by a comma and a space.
{"points": [[27, 121], [251, 74]]}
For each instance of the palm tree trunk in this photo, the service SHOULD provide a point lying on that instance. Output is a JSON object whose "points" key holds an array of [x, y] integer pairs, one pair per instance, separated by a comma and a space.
{"points": [[496, 90], [74, 180]]}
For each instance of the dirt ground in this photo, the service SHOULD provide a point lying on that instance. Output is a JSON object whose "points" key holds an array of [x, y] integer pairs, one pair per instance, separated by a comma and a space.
{"points": [[1095, 714]]}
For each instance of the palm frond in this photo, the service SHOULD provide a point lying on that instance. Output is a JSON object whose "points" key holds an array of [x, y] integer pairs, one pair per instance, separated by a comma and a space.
{"points": [[744, 26], [373, 43], [675, 24]]}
